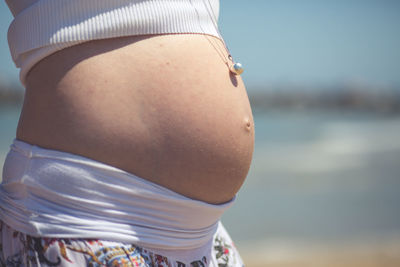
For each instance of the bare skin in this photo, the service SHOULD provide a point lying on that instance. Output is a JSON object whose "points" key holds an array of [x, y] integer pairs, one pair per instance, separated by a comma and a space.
{"points": [[162, 107]]}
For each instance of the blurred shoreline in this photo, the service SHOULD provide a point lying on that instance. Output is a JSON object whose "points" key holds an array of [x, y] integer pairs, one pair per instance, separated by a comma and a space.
{"points": [[11, 94], [291, 97], [339, 97]]}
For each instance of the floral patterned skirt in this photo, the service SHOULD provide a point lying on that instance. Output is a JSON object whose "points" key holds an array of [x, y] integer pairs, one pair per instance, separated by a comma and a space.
{"points": [[19, 249]]}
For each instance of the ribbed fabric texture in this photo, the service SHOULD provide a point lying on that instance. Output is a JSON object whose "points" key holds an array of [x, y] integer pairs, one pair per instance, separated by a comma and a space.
{"points": [[43, 27]]}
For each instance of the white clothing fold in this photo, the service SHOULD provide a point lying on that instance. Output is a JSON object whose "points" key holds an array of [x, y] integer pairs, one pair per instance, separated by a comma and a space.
{"points": [[52, 193]]}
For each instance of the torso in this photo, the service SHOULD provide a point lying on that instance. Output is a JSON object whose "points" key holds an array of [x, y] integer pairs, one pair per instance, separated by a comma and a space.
{"points": [[162, 107]]}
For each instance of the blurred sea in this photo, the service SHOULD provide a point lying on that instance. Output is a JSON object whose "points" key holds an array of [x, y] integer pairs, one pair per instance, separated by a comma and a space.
{"points": [[323, 189]]}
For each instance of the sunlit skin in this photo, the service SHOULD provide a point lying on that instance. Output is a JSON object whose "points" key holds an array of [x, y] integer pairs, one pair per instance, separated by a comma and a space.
{"points": [[162, 107]]}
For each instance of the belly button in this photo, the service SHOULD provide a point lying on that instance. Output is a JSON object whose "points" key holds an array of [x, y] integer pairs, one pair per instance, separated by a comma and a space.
{"points": [[247, 124]]}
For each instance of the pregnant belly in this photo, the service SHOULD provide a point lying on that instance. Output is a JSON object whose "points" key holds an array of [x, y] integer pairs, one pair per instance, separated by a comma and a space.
{"points": [[164, 108]]}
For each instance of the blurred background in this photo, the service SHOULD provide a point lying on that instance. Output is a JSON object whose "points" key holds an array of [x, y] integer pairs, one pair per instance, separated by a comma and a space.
{"points": [[323, 78]]}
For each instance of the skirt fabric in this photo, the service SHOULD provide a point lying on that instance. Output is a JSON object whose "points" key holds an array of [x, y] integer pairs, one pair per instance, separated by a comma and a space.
{"points": [[18, 249]]}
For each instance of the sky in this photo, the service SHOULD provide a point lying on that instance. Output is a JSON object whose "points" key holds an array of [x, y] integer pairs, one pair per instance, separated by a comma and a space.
{"points": [[300, 42]]}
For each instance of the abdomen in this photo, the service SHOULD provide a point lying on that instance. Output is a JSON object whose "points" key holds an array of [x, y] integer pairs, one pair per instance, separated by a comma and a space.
{"points": [[164, 108]]}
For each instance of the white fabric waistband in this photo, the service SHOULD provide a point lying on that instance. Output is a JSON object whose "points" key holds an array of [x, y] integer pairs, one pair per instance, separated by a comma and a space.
{"points": [[58, 194]]}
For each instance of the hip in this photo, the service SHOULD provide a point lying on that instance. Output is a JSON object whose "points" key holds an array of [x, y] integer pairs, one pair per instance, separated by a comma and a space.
{"points": [[60, 209]]}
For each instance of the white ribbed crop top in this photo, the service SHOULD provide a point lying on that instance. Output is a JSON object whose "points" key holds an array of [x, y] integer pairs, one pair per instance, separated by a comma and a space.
{"points": [[42, 27]]}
